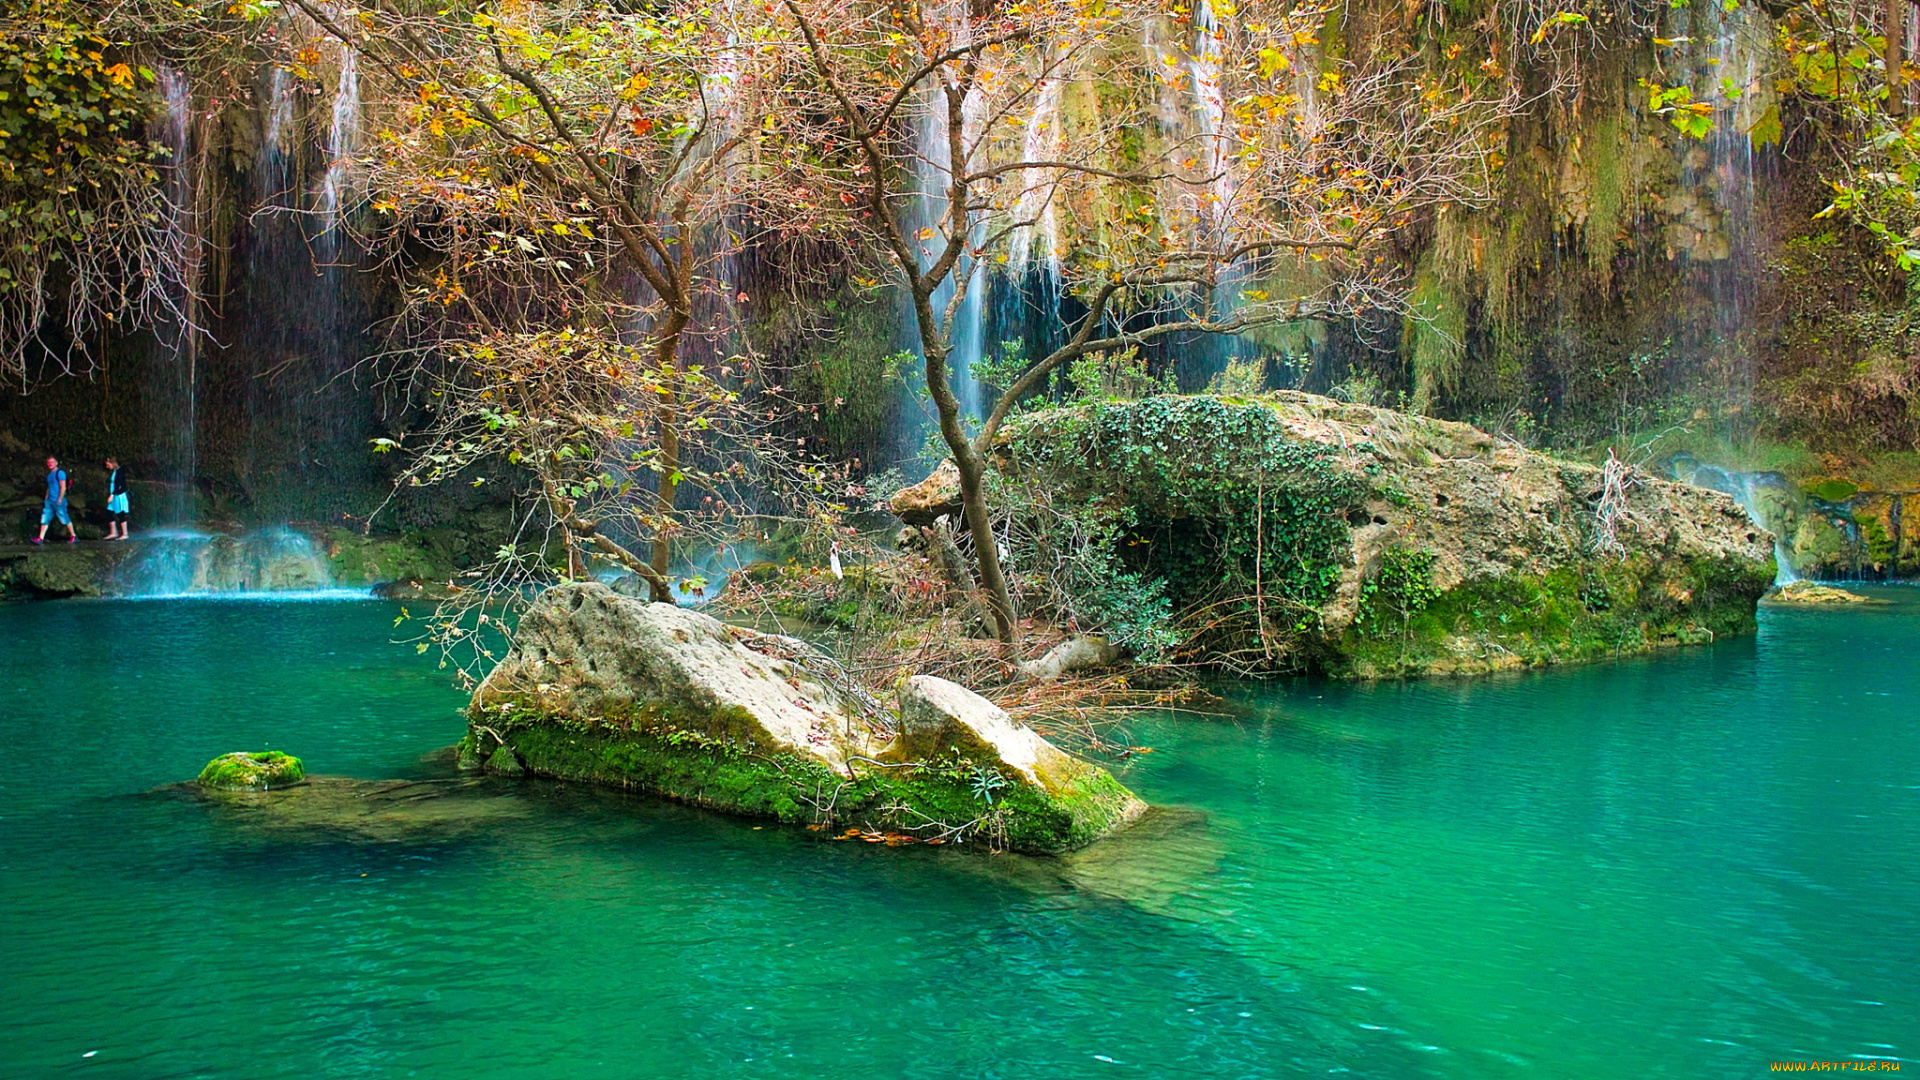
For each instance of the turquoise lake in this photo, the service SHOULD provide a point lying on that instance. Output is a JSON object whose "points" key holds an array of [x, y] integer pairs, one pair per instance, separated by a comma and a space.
{"points": [[1688, 865]]}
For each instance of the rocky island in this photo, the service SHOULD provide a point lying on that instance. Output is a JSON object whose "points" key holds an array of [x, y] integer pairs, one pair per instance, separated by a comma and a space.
{"points": [[614, 690]]}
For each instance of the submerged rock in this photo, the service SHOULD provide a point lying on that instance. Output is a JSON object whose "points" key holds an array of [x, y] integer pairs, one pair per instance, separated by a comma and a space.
{"points": [[331, 808], [1813, 593], [252, 771], [1291, 532], [657, 698], [414, 588]]}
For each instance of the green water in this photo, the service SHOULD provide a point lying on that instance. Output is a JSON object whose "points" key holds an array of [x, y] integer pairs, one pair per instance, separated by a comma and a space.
{"points": [[1684, 866]]}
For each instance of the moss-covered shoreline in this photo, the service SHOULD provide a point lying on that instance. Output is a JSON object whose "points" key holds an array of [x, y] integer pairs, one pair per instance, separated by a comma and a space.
{"points": [[1500, 624]]}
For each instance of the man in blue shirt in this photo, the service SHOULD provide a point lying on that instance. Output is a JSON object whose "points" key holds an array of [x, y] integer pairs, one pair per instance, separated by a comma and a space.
{"points": [[56, 504]]}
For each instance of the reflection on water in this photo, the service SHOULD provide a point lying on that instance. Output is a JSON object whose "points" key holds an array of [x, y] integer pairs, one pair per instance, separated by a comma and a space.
{"points": [[1680, 866]]}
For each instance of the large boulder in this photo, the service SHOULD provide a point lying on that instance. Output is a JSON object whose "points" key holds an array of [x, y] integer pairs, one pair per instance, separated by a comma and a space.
{"points": [[614, 690], [1300, 532]]}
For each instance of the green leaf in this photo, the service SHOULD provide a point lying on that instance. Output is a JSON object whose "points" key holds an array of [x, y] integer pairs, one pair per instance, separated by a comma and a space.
{"points": [[1766, 131]]}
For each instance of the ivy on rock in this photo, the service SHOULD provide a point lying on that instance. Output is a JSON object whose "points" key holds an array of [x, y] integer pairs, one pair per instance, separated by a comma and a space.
{"points": [[1219, 531]]}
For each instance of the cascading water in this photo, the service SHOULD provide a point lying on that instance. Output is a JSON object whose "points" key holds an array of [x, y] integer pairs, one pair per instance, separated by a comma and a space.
{"points": [[1193, 120], [175, 383], [1040, 142], [1746, 491], [279, 562], [275, 129], [1716, 228], [343, 135], [1210, 111], [1769, 499], [933, 173]]}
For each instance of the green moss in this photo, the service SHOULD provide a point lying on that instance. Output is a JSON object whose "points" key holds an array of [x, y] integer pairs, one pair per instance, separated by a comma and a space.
{"points": [[647, 751], [841, 372], [1526, 620], [355, 559], [1819, 545], [252, 772], [1833, 490], [1879, 542], [1435, 334]]}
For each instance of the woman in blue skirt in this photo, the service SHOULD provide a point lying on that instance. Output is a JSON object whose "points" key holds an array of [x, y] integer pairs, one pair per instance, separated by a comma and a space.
{"points": [[116, 501]]}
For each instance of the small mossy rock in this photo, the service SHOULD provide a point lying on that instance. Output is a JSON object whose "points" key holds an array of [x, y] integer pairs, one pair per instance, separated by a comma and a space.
{"points": [[262, 771], [612, 690], [931, 499]]}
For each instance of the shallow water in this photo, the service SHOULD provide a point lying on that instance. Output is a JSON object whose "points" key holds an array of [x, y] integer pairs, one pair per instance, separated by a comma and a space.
{"points": [[1689, 865]]}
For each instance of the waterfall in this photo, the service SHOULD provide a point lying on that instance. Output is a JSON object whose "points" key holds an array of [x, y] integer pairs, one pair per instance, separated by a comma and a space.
{"points": [[278, 562], [343, 136], [276, 125], [1717, 229], [1746, 489], [1041, 142], [1768, 498], [1210, 109], [175, 384], [1192, 105], [933, 173]]}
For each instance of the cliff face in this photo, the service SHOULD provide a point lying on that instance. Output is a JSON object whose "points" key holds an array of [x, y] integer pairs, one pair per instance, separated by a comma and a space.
{"points": [[1294, 531], [1629, 276]]}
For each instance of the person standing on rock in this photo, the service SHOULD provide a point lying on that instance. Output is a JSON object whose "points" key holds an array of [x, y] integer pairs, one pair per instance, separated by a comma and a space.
{"points": [[56, 503], [117, 508]]}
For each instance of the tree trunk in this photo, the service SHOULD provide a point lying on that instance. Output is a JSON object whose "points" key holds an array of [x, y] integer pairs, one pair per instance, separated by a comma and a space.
{"points": [[986, 550], [666, 356], [973, 471]]}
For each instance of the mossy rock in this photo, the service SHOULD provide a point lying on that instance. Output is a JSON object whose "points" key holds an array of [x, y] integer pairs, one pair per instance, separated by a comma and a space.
{"points": [[262, 771], [1820, 547], [60, 572], [1810, 593], [355, 559], [1833, 490]]}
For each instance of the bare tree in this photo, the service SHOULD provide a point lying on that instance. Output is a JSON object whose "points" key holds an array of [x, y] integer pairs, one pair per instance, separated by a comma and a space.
{"points": [[559, 186]]}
